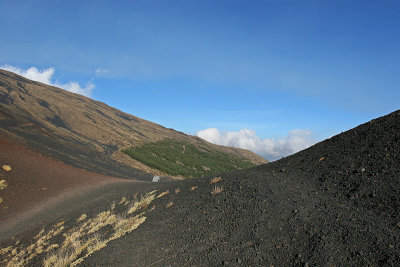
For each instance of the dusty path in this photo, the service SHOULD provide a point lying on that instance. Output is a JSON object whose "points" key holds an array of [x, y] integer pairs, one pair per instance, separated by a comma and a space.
{"points": [[34, 179], [68, 207]]}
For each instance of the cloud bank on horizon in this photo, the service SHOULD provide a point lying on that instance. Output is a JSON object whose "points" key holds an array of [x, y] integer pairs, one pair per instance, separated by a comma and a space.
{"points": [[46, 76], [269, 148]]}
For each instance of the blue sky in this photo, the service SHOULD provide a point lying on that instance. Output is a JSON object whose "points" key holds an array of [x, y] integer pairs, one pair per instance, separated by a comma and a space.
{"points": [[270, 67]]}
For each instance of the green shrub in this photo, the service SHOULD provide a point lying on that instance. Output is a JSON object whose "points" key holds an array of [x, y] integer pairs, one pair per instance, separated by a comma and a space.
{"points": [[189, 160]]}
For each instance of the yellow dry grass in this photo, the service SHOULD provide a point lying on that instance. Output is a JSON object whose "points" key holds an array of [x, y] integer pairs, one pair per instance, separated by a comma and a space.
{"points": [[193, 188], [216, 190], [142, 203], [3, 184], [82, 218], [169, 204], [177, 191], [215, 180], [5, 250], [7, 168], [163, 194], [81, 240], [123, 200], [19, 256]]}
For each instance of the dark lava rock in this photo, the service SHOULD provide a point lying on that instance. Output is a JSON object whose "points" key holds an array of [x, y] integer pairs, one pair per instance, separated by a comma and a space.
{"points": [[334, 204]]}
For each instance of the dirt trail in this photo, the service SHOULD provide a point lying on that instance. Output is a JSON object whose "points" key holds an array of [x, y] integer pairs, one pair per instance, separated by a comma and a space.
{"points": [[35, 180]]}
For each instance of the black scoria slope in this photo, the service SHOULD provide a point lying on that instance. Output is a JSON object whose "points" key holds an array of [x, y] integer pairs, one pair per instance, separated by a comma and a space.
{"points": [[334, 204]]}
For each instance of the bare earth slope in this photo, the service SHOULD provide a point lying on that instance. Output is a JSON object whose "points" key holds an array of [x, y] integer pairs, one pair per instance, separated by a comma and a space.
{"points": [[33, 181], [80, 131]]}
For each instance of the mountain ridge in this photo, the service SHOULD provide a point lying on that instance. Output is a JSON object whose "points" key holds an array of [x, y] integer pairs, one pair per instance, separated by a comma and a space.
{"points": [[50, 113]]}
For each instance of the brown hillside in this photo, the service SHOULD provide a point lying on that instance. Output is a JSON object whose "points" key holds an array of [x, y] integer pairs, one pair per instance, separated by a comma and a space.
{"points": [[30, 180], [80, 131]]}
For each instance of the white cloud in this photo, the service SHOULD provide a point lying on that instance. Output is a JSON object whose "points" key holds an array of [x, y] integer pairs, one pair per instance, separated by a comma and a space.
{"points": [[46, 75], [100, 70], [270, 149]]}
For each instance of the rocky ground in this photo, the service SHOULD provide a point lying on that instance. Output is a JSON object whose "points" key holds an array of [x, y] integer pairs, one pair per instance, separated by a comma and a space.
{"points": [[334, 204]]}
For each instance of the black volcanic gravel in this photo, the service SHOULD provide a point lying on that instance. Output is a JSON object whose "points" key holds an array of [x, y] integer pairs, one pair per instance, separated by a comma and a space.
{"points": [[334, 204]]}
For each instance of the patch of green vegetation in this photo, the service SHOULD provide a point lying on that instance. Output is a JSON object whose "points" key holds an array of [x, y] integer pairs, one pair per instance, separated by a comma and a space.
{"points": [[183, 158]]}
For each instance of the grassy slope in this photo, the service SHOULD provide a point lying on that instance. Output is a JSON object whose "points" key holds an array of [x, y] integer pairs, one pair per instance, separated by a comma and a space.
{"points": [[182, 158]]}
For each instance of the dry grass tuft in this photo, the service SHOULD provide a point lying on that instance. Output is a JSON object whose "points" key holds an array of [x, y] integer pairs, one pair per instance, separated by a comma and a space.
{"points": [[123, 200], [83, 217], [102, 219], [215, 180], [193, 188], [216, 190], [39, 234], [3, 184], [5, 250], [97, 243], [169, 204], [59, 224], [80, 241], [163, 194], [19, 256], [142, 203], [127, 225], [177, 191], [7, 168]]}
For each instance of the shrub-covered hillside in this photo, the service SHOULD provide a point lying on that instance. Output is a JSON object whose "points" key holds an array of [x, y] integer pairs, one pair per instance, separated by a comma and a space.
{"points": [[189, 160]]}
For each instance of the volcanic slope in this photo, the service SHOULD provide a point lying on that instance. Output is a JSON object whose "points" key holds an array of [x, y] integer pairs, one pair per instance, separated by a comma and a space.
{"points": [[334, 204], [85, 133]]}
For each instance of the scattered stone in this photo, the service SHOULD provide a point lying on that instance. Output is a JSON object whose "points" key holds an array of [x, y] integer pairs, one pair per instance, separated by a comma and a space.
{"points": [[7, 168]]}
